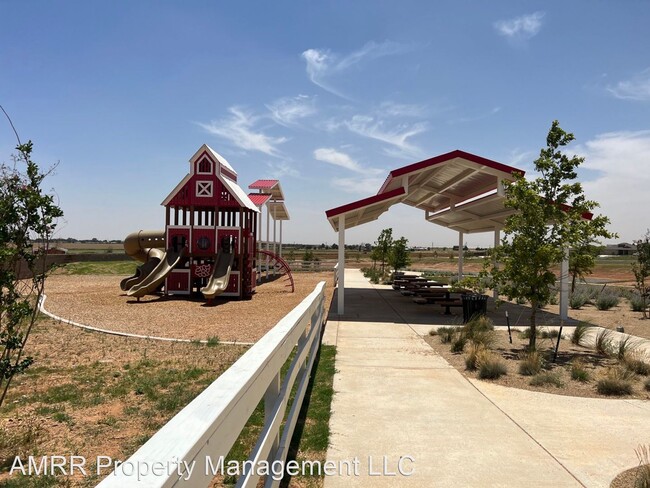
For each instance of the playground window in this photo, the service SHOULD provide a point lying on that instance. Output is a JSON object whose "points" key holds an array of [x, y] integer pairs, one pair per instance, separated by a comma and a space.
{"points": [[205, 166], [204, 188]]}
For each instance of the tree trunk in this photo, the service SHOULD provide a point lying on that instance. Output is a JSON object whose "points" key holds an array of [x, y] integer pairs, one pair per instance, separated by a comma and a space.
{"points": [[573, 284], [532, 342]]}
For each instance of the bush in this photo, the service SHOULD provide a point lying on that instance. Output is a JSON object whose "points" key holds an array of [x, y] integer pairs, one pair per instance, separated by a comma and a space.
{"points": [[636, 303], [458, 344], [546, 378], [530, 363], [603, 342], [647, 384], [550, 334], [478, 324], [624, 347], [525, 334], [433, 332], [578, 372], [490, 366], [643, 471], [637, 366], [606, 301], [578, 300], [474, 351], [616, 383], [579, 333], [485, 338], [446, 334]]}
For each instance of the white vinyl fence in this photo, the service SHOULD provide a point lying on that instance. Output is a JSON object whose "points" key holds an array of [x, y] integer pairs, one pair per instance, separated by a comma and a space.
{"points": [[186, 450]]}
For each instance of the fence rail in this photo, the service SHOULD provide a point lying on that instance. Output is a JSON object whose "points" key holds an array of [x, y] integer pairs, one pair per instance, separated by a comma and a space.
{"points": [[201, 434]]}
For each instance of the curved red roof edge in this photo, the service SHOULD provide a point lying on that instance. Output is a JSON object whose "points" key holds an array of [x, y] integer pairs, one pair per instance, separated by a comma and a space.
{"points": [[262, 184], [446, 157], [364, 202]]}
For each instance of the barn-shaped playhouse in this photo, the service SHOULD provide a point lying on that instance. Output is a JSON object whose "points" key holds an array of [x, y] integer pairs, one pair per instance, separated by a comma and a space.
{"points": [[209, 244]]}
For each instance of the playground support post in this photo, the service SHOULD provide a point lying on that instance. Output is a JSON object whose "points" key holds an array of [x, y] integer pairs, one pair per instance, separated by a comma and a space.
{"points": [[340, 293]]}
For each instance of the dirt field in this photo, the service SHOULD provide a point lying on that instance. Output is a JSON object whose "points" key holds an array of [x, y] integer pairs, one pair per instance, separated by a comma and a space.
{"points": [[98, 301]]}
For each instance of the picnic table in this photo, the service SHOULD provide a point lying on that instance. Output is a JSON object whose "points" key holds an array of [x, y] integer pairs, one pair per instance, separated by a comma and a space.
{"points": [[440, 295]]}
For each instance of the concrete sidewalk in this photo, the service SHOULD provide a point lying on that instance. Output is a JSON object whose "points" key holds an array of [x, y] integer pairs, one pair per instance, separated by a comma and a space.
{"points": [[396, 399]]}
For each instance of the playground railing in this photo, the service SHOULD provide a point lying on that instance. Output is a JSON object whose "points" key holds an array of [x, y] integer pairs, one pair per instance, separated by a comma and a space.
{"points": [[201, 435]]}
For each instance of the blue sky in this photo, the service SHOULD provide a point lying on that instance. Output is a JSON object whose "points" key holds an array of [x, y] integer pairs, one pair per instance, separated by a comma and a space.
{"points": [[326, 96]]}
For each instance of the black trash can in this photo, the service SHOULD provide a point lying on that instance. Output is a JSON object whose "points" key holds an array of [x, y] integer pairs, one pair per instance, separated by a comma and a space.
{"points": [[473, 305]]}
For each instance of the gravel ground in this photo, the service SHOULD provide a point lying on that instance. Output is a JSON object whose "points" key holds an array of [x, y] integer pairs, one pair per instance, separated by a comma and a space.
{"points": [[98, 301]]}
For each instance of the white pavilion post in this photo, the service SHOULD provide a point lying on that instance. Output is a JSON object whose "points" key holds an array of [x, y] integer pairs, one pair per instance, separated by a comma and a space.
{"points": [[564, 286], [259, 244], [280, 249], [497, 241], [460, 255], [341, 269], [274, 238], [268, 229]]}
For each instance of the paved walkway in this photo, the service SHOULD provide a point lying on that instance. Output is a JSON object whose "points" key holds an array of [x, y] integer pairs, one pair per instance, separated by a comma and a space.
{"points": [[395, 398]]}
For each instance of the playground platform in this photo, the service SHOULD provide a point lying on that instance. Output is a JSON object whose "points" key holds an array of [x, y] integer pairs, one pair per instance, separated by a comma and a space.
{"points": [[395, 399]]}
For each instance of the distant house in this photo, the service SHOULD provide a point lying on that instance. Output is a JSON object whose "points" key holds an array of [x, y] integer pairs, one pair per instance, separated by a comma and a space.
{"points": [[621, 249], [54, 250]]}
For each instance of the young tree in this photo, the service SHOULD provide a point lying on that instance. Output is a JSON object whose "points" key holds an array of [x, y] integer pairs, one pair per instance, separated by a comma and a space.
{"points": [[641, 270], [550, 218], [27, 215], [399, 256], [382, 249], [582, 259]]}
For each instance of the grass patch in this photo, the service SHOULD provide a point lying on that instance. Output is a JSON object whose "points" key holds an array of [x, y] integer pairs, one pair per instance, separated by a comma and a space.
{"points": [[578, 372], [625, 346], [637, 365], [607, 301], [126, 267], [615, 383], [578, 300], [603, 343], [643, 472], [530, 363], [646, 384], [490, 366], [458, 344], [579, 333], [446, 334], [546, 378]]}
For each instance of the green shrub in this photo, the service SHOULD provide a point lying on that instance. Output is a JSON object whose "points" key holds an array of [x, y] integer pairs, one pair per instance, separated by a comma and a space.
{"points": [[446, 334], [546, 378], [458, 344], [577, 300], [486, 338], [578, 371], [603, 343], [433, 332], [490, 366], [579, 333], [616, 383], [643, 471], [606, 301], [525, 334], [646, 384], [636, 303], [530, 363], [478, 324], [550, 334]]}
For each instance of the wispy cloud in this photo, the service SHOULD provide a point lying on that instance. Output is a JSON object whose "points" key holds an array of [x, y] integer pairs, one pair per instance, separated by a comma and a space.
{"points": [[520, 28], [343, 160], [621, 185], [282, 168], [396, 135], [359, 186], [401, 109], [289, 110], [636, 88], [520, 157], [239, 130], [322, 64]]}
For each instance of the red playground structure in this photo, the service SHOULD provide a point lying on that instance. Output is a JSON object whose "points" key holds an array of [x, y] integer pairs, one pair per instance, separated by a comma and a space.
{"points": [[209, 244]]}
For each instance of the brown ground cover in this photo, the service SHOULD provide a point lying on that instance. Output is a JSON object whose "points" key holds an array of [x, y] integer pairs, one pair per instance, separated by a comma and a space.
{"points": [[596, 365], [97, 300]]}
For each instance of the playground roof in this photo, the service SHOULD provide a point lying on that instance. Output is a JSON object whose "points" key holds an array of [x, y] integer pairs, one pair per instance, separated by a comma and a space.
{"points": [[268, 186], [458, 190], [278, 211], [259, 199]]}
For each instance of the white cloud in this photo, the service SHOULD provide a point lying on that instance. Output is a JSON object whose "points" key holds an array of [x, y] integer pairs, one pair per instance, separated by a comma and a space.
{"points": [[360, 186], [322, 64], [520, 28], [621, 185], [288, 110], [338, 158], [239, 130], [636, 88], [279, 169], [401, 109], [397, 136]]}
